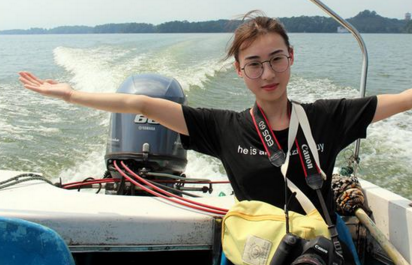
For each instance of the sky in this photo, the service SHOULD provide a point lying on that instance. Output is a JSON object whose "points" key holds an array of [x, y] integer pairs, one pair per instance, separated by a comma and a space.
{"points": [[25, 14]]}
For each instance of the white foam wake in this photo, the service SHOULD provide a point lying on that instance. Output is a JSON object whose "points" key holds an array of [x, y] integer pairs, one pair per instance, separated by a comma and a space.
{"points": [[104, 68], [98, 69]]}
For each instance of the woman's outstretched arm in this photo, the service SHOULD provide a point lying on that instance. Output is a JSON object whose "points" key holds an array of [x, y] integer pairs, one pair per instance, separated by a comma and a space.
{"points": [[392, 104], [167, 113]]}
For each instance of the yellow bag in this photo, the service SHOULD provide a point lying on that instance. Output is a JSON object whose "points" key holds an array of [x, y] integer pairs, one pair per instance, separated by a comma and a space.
{"points": [[252, 231]]}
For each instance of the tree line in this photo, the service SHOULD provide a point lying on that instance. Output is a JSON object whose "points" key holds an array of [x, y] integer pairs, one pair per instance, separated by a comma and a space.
{"points": [[365, 22]]}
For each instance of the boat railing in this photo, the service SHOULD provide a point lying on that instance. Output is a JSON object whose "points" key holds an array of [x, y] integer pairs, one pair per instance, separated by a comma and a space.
{"points": [[365, 62]]}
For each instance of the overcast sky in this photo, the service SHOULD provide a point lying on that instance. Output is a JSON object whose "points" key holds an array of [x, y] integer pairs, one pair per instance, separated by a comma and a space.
{"points": [[25, 14]]}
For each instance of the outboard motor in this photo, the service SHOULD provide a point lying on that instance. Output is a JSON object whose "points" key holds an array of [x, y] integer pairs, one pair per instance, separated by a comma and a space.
{"points": [[143, 144]]}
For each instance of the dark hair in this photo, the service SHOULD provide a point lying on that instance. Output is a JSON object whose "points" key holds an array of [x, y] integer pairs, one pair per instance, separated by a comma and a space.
{"points": [[254, 24]]}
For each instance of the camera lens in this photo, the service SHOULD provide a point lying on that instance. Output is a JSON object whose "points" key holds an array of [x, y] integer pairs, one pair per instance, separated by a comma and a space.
{"points": [[309, 259]]}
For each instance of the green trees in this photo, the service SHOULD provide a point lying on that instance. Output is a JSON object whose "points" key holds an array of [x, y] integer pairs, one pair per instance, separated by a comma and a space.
{"points": [[408, 27], [216, 26], [370, 22], [310, 24], [365, 22], [124, 28]]}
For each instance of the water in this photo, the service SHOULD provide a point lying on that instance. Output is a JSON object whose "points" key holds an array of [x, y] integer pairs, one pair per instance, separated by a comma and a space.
{"points": [[68, 142]]}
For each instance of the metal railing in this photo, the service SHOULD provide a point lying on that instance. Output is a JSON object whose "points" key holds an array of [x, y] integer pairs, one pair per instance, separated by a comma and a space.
{"points": [[365, 62]]}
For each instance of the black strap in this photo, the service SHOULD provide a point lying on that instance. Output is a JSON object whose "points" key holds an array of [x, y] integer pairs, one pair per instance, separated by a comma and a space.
{"points": [[274, 149], [277, 157]]}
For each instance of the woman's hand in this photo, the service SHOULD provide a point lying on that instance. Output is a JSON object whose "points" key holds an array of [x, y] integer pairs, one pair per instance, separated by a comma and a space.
{"points": [[46, 87]]}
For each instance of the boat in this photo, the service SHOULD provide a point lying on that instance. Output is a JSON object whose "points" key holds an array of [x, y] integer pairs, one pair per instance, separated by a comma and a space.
{"points": [[127, 224], [101, 228]]}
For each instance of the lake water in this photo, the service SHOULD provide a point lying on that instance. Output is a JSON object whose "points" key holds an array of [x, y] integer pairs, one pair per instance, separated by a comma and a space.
{"points": [[68, 142]]}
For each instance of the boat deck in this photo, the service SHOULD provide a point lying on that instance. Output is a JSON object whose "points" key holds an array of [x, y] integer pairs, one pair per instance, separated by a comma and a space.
{"points": [[98, 222]]}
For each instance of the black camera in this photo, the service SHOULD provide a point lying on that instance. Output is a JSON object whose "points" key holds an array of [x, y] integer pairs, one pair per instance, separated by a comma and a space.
{"points": [[295, 250]]}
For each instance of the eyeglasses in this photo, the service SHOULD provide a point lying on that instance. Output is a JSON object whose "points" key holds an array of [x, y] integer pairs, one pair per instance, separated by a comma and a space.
{"points": [[279, 63]]}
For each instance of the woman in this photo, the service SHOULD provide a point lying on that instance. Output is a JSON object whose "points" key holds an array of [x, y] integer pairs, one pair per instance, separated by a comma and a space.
{"points": [[263, 57]]}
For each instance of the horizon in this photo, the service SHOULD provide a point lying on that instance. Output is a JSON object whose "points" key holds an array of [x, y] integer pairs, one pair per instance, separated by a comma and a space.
{"points": [[166, 22], [48, 14]]}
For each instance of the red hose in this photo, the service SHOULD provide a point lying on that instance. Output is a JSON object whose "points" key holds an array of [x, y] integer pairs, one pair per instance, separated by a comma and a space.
{"points": [[168, 193], [220, 211]]}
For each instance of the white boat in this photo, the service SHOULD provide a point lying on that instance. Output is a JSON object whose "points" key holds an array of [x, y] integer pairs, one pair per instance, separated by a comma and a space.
{"points": [[93, 225], [98, 227]]}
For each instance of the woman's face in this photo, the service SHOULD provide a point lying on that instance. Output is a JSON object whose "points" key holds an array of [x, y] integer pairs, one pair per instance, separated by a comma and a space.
{"points": [[270, 86]]}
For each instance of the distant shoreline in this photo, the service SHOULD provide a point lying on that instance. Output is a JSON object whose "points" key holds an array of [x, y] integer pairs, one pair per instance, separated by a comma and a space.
{"points": [[365, 22]]}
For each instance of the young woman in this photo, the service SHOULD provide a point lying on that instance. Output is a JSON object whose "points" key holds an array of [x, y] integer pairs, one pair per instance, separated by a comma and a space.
{"points": [[263, 57]]}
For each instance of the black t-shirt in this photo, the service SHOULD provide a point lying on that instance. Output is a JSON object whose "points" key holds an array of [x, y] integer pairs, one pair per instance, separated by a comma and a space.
{"points": [[231, 136]]}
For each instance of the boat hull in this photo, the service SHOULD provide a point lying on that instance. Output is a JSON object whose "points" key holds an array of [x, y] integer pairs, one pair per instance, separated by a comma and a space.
{"points": [[94, 223]]}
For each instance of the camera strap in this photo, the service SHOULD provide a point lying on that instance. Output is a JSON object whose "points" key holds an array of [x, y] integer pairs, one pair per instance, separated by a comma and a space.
{"points": [[315, 181], [275, 152], [305, 145], [308, 158], [270, 142], [307, 152]]}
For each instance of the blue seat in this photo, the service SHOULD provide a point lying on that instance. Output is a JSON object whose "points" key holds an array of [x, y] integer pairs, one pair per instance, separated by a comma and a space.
{"points": [[24, 242]]}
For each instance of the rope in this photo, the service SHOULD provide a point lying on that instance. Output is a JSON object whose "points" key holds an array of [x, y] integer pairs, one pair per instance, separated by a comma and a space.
{"points": [[90, 179], [26, 177], [348, 194]]}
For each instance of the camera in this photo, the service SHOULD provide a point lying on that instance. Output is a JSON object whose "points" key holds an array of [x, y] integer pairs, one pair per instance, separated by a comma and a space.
{"points": [[295, 250]]}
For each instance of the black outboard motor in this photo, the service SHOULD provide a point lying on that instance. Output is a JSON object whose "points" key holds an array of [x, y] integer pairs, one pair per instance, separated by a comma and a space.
{"points": [[144, 144]]}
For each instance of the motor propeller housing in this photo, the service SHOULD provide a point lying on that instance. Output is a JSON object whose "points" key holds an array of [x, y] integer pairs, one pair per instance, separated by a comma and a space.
{"points": [[144, 144]]}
